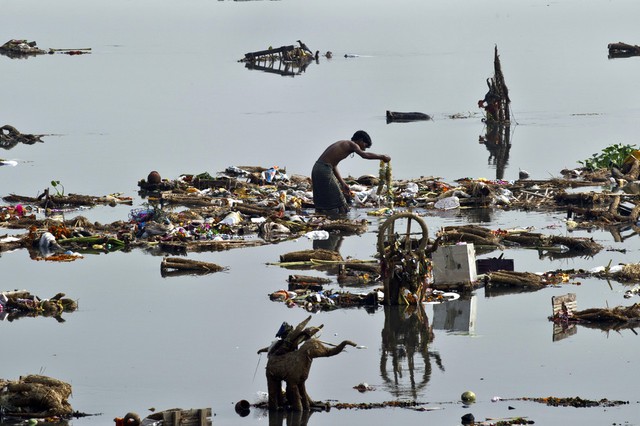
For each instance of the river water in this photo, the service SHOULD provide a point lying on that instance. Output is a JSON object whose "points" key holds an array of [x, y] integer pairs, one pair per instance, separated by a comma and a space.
{"points": [[163, 90]]}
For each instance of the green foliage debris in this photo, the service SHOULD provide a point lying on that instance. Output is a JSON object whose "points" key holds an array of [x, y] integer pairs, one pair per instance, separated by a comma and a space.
{"points": [[612, 156]]}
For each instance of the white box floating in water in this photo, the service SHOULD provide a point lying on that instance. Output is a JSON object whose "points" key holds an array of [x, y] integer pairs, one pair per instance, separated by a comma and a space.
{"points": [[454, 264]]}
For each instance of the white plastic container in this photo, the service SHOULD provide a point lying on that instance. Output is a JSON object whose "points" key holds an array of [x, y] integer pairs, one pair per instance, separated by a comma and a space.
{"points": [[455, 264]]}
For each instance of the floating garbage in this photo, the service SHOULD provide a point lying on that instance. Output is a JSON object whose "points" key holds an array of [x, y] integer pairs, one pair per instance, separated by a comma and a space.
{"points": [[468, 397], [448, 203], [18, 48], [364, 387], [20, 303], [317, 235], [232, 219]]}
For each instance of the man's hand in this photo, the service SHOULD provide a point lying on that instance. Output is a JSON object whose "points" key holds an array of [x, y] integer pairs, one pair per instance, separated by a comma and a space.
{"points": [[385, 158]]}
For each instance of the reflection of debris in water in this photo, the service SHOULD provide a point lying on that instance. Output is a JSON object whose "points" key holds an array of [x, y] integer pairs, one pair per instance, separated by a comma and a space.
{"points": [[457, 315]]}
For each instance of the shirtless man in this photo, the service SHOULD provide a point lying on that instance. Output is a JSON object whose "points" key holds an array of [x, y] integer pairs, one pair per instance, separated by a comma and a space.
{"points": [[328, 186]]}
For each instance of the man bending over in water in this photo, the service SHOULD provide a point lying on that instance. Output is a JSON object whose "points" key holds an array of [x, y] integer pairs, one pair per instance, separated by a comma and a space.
{"points": [[328, 186]]}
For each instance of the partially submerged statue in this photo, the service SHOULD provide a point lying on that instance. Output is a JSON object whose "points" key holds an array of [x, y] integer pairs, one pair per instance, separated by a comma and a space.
{"points": [[289, 363]]}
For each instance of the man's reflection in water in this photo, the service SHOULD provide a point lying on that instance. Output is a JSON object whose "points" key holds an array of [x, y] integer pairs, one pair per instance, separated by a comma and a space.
{"points": [[289, 418], [498, 142], [406, 334]]}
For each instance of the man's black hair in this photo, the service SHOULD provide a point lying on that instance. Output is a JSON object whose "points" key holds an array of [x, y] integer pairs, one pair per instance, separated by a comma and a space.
{"points": [[363, 136]]}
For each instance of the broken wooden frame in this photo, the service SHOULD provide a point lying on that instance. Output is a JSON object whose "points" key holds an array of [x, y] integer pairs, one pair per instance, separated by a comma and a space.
{"points": [[284, 60]]}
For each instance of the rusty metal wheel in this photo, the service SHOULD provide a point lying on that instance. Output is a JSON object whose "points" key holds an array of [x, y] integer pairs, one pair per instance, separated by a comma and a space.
{"points": [[414, 237]]}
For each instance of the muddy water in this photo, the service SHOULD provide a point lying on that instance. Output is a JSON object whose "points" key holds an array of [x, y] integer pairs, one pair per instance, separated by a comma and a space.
{"points": [[162, 89]]}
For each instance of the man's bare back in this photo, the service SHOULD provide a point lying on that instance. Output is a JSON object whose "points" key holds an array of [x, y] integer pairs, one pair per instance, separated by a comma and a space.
{"points": [[338, 151]]}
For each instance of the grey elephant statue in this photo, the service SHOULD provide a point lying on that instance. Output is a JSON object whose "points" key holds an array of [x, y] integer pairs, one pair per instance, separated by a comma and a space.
{"points": [[289, 363]]}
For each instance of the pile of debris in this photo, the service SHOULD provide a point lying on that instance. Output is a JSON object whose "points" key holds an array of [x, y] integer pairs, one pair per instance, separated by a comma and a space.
{"points": [[287, 60], [576, 401], [241, 208], [20, 303], [35, 396], [21, 48], [174, 266], [250, 206], [488, 240]]}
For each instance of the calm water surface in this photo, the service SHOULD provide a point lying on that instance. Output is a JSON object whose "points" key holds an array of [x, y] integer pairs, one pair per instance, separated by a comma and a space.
{"points": [[162, 90]]}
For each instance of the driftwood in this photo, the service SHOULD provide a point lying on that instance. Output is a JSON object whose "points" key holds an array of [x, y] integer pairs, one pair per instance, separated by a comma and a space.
{"points": [[617, 315], [486, 237], [189, 199], [576, 245], [179, 264], [622, 50], [207, 245], [307, 255], [403, 117], [470, 234], [582, 199], [254, 210], [47, 200], [604, 215], [524, 280], [305, 281]]}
